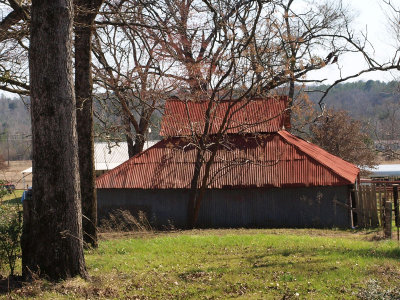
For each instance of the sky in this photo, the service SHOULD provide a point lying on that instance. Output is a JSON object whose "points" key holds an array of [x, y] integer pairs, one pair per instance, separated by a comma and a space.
{"points": [[369, 16]]}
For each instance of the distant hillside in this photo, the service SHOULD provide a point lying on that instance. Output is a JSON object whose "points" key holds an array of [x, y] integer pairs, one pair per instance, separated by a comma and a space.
{"points": [[363, 99], [15, 129], [14, 115]]}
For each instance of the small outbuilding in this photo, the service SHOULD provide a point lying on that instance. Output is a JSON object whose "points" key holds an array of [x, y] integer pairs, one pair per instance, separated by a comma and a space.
{"points": [[267, 177]]}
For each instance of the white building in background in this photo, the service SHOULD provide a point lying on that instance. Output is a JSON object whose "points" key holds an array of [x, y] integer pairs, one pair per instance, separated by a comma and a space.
{"points": [[383, 171], [107, 156]]}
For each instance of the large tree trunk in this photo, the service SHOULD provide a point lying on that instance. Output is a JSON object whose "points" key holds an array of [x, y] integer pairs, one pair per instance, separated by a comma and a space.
{"points": [[86, 12], [52, 243], [139, 143]]}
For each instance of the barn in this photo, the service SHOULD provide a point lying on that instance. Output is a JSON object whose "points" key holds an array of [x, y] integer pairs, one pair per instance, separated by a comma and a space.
{"points": [[266, 177]]}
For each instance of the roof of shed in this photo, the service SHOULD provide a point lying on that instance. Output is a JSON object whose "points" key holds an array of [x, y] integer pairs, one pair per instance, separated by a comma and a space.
{"points": [[107, 156], [264, 160], [255, 115]]}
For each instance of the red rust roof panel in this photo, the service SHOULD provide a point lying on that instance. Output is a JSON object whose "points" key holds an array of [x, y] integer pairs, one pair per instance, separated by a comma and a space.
{"points": [[266, 160], [345, 169], [257, 115]]}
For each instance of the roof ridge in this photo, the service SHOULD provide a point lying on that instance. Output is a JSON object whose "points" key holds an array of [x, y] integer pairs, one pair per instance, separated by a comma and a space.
{"points": [[260, 98]]}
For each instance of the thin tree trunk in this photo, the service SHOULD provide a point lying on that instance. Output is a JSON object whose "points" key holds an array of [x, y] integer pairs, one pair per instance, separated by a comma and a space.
{"points": [[128, 136], [140, 137], [288, 117], [194, 190], [52, 244], [86, 12]]}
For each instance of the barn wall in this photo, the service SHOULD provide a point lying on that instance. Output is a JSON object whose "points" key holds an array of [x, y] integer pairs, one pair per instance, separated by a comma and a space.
{"points": [[289, 207]]}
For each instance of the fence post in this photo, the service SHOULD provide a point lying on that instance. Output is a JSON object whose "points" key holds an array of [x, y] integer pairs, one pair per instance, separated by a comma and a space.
{"points": [[396, 203], [353, 205], [388, 220], [383, 212]]}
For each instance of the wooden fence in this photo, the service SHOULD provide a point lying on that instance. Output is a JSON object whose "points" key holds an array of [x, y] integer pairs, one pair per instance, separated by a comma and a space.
{"points": [[369, 201], [367, 211]]}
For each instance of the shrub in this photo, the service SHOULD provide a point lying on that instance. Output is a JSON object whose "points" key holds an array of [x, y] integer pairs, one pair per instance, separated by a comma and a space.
{"points": [[10, 235], [3, 189]]}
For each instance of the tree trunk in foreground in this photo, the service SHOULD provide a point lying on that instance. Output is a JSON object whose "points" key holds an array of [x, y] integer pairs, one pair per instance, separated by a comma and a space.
{"points": [[52, 245], [85, 15]]}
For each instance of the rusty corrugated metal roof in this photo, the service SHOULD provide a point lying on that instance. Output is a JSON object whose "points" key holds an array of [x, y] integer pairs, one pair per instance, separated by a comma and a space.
{"points": [[256, 115], [345, 169], [262, 160]]}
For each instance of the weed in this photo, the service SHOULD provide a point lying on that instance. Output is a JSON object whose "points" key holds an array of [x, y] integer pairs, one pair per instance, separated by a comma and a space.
{"points": [[122, 220]]}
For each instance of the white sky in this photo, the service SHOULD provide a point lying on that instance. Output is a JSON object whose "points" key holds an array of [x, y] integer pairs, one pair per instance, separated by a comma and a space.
{"points": [[369, 17]]}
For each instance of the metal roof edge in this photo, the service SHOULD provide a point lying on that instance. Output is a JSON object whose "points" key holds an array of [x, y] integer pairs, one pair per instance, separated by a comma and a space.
{"points": [[282, 133], [255, 98]]}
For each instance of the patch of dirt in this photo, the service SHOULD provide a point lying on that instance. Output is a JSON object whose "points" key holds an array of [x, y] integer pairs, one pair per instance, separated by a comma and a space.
{"points": [[13, 173], [72, 288]]}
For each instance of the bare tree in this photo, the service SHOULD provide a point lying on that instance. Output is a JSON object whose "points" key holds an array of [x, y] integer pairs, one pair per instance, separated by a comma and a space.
{"points": [[130, 71], [364, 47], [85, 13], [305, 40], [13, 46], [339, 134], [211, 62], [224, 51], [52, 243]]}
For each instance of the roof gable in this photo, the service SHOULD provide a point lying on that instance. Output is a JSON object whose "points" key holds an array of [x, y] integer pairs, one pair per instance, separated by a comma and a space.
{"points": [[336, 164], [181, 118]]}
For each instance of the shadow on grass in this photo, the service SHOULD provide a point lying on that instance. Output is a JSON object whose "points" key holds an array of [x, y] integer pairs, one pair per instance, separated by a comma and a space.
{"points": [[9, 284], [259, 261], [263, 261], [14, 201]]}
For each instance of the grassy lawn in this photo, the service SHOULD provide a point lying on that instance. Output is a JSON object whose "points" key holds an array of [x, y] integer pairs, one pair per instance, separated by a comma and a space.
{"points": [[226, 264], [13, 198]]}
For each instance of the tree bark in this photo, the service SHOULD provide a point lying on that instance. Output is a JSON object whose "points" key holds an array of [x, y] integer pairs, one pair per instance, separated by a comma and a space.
{"points": [[128, 136], [191, 222], [52, 245], [84, 18], [140, 137], [135, 147]]}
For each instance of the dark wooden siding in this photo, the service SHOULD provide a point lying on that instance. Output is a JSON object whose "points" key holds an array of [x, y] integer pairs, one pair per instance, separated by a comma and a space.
{"points": [[278, 207]]}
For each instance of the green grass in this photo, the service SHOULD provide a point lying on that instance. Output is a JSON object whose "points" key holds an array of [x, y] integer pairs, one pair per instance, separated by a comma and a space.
{"points": [[242, 264], [13, 198]]}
